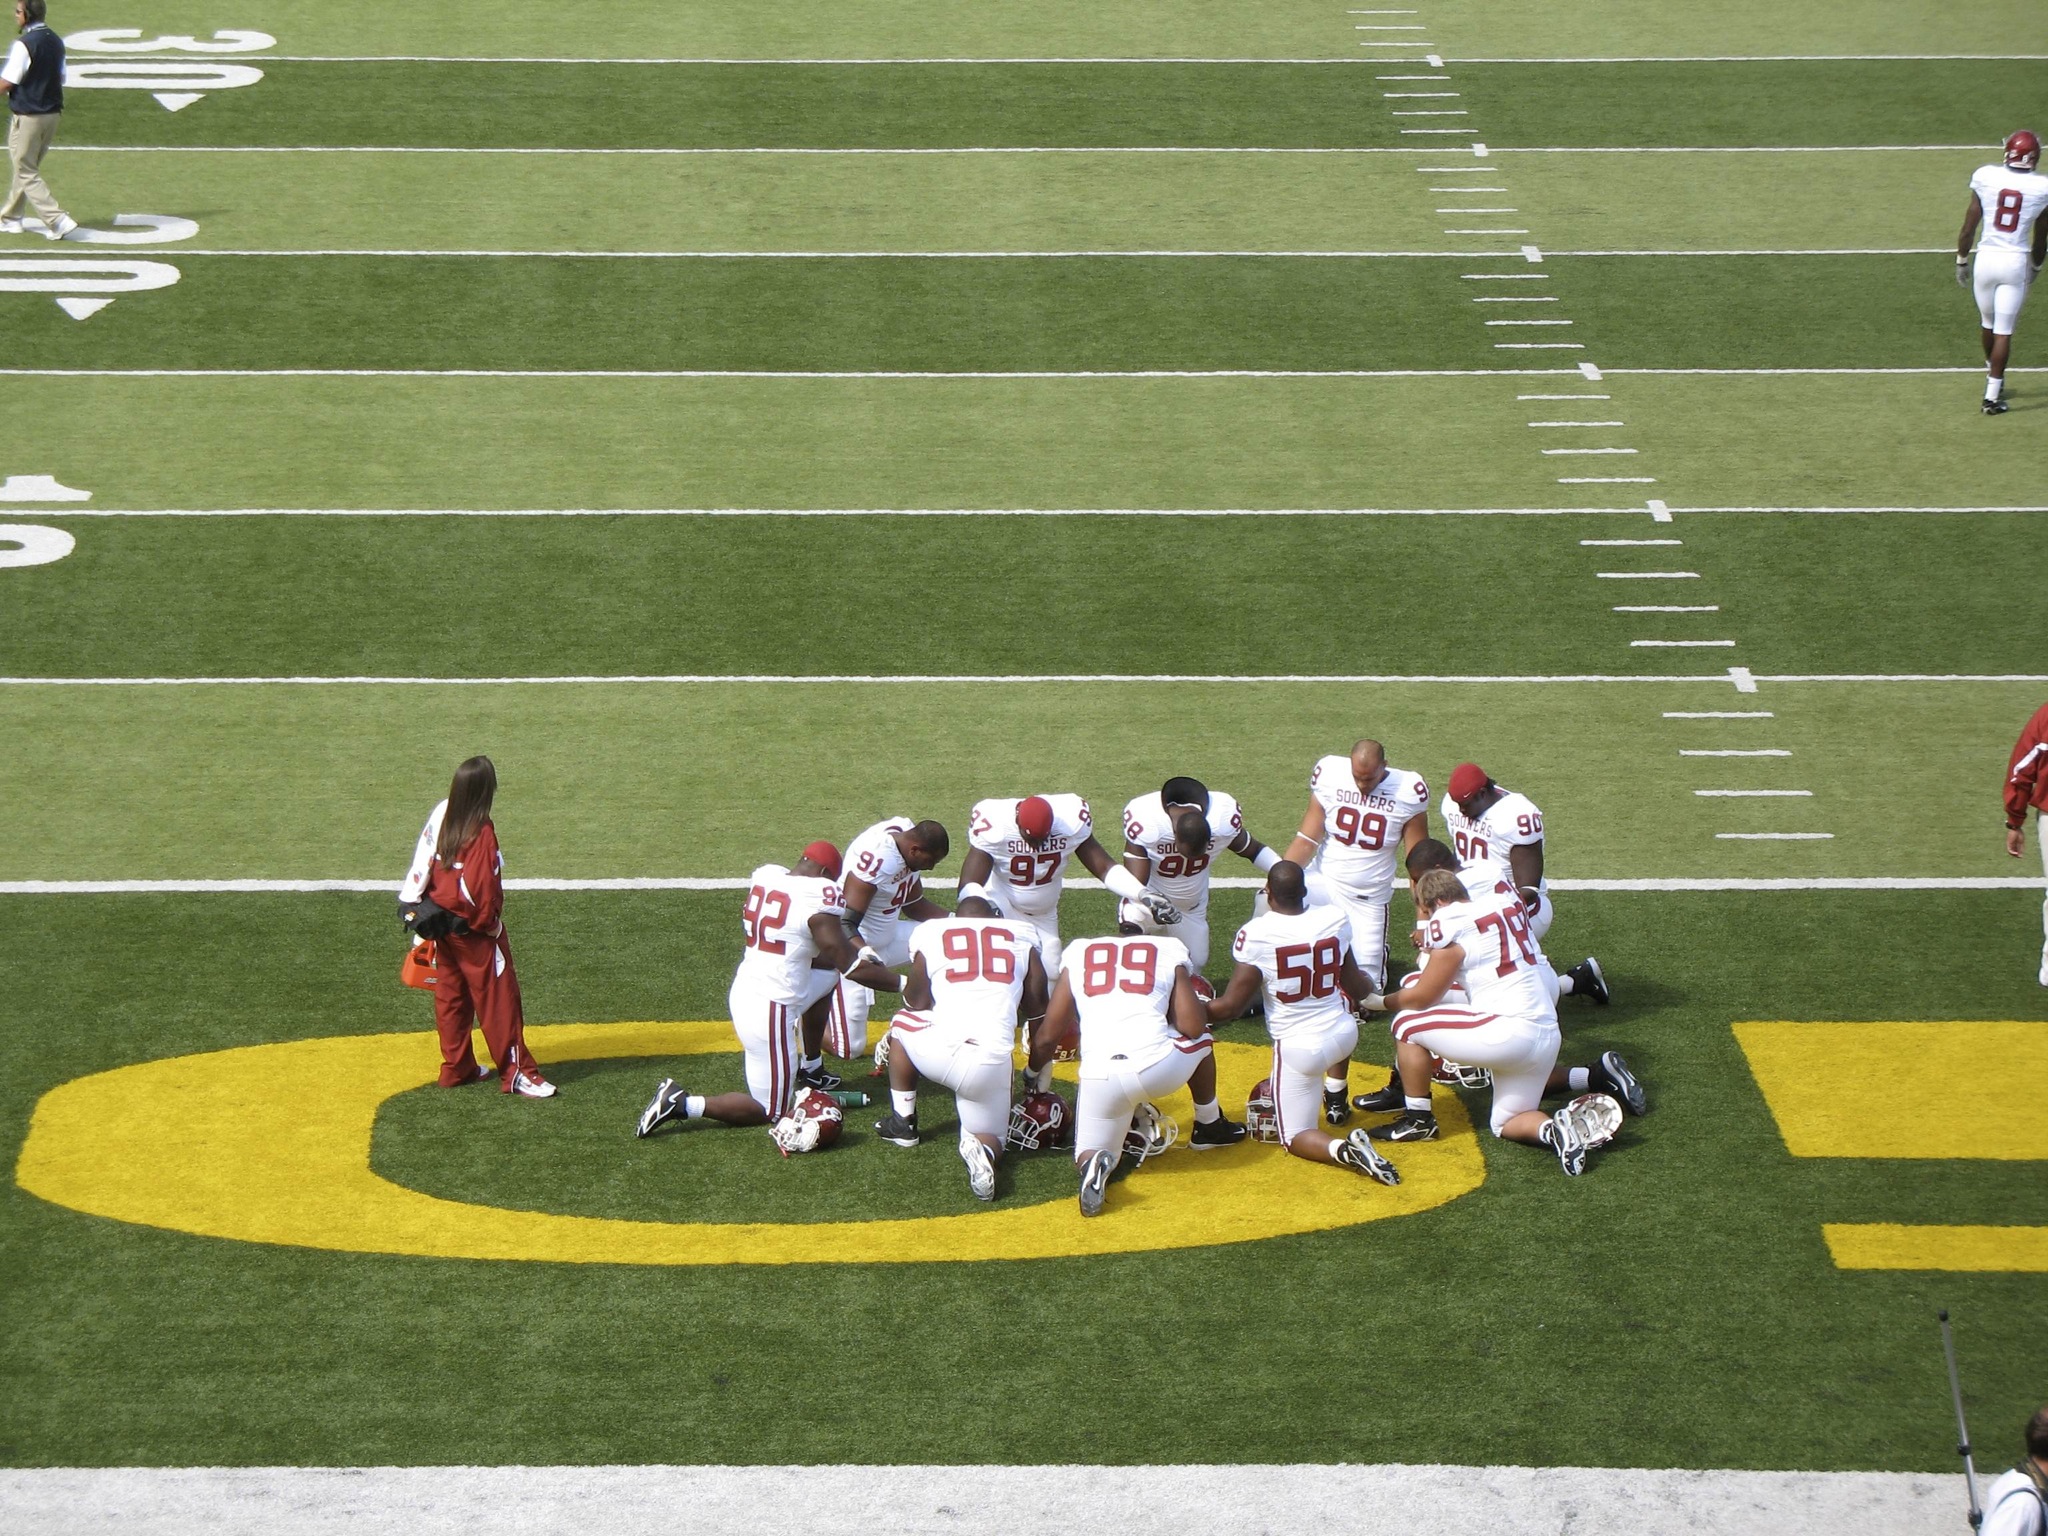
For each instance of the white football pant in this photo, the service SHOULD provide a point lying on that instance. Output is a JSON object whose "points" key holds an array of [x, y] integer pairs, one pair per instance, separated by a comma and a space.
{"points": [[977, 1070], [846, 1030], [1368, 924], [1518, 1052], [1192, 929], [2000, 279], [1104, 1106], [769, 1034], [1300, 1062]]}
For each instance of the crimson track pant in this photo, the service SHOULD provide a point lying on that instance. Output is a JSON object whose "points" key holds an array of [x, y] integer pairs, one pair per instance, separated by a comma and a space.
{"points": [[477, 984]]}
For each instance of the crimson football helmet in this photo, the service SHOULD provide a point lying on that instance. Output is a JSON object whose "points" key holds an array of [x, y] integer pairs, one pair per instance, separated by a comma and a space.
{"points": [[1040, 1122], [1261, 1114], [814, 1121], [1205, 989], [2023, 150]]}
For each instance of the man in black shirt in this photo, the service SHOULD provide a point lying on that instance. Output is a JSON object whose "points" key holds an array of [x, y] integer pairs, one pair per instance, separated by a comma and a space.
{"points": [[33, 78]]}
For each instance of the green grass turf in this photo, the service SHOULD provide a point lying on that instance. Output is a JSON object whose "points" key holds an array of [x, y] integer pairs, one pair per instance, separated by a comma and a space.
{"points": [[1115, 314], [1184, 105], [1686, 1273], [711, 780], [1586, 201], [1721, 441], [1066, 28], [352, 596]]}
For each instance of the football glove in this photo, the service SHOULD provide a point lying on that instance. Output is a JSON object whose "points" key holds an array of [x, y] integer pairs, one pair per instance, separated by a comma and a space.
{"points": [[1164, 912], [1962, 271]]}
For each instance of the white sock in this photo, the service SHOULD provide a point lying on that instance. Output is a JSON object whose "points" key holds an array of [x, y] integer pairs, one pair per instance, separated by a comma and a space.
{"points": [[1565, 986], [1580, 1079], [1336, 1084], [905, 1102], [1330, 1148], [1993, 388], [1415, 1106], [1206, 1113], [693, 1106], [810, 1063]]}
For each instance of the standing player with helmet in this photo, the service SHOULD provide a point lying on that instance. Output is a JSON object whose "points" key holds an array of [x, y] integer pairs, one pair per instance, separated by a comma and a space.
{"points": [[796, 950], [970, 974], [885, 900], [1170, 838], [1360, 812], [1143, 1033], [1018, 855], [1507, 1025], [2005, 203], [1300, 956], [1499, 836], [454, 894]]}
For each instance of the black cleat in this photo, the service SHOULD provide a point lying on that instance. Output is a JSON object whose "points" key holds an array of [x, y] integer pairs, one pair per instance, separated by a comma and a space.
{"points": [[1995, 407], [1357, 1153], [896, 1130], [1414, 1125], [1612, 1076], [1588, 980], [665, 1106], [1220, 1132], [818, 1078], [1390, 1100], [1336, 1108]]}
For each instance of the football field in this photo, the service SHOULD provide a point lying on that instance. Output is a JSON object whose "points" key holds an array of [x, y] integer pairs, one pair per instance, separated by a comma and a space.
{"points": [[744, 423]]}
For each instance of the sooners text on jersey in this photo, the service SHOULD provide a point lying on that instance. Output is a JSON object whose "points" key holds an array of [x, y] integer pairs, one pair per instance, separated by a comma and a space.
{"points": [[1362, 828], [1031, 877], [1483, 842]]}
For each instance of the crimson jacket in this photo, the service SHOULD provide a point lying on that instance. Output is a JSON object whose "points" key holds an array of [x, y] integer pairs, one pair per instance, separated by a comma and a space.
{"points": [[2026, 777], [472, 887]]}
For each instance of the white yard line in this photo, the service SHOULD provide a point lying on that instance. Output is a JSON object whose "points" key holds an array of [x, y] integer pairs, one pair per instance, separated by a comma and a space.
{"points": [[1630, 543], [1754, 794], [1734, 752], [1646, 645], [457, 253], [1647, 575], [1014, 149], [1719, 714], [389, 884], [1606, 479], [1667, 608], [971, 512], [1742, 678]]}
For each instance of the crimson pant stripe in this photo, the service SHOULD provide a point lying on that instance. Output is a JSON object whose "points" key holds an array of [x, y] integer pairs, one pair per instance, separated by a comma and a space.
{"points": [[778, 1059], [835, 1022], [1279, 1098]]}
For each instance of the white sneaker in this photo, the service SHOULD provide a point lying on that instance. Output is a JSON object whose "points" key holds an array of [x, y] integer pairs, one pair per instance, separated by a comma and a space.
{"points": [[12, 227], [981, 1166], [62, 229], [531, 1085]]}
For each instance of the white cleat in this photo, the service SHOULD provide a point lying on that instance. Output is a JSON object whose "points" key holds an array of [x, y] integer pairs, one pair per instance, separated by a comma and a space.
{"points": [[12, 227], [981, 1166], [531, 1085], [62, 229], [1095, 1174]]}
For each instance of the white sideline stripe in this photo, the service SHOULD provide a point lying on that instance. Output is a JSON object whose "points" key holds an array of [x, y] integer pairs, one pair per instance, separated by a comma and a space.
{"points": [[1742, 678], [1719, 714], [259, 56], [1150, 373], [1644, 645], [1735, 752], [1648, 575], [1768, 58], [926, 1500], [1775, 837], [852, 512], [1667, 607], [1017, 149], [389, 885], [1754, 794], [467, 254]]}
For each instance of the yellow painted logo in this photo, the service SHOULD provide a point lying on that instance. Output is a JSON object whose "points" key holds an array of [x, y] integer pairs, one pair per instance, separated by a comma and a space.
{"points": [[271, 1144], [1858, 1090]]}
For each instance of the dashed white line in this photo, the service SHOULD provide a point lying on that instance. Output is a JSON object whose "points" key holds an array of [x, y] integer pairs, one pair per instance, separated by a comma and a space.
{"points": [[1735, 752], [1647, 575], [1679, 645], [1575, 423], [1607, 480], [1539, 346], [1774, 837], [1667, 607], [1754, 794], [1619, 543], [1564, 397], [1719, 714], [1509, 298], [1505, 277], [1479, 210], [1553, 453]]}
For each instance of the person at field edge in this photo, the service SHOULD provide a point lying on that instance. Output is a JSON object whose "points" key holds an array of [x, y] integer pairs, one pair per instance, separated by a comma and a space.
{"points": [[2017, 1503], [33, 78], [458, 869], [2006, 201], [2026, 784]]}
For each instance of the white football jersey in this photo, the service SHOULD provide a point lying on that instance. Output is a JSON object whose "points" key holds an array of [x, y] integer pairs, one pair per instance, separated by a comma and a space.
{"points": [[1181, 880], [2011, 200], [1300, 956], [977, 967], [1362, 828], [1483, 842], [1502, 971], [776, 921], [1122, 987], [1029, 879], [875, 857]]}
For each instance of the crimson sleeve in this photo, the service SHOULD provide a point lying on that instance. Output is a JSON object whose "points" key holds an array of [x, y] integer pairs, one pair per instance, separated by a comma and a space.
{"points": [[2027, 768]]}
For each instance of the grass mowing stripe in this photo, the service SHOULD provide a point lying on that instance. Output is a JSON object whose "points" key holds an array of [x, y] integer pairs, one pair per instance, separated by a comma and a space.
{"points": [[1696, 1236], [735, 106], [652, 597], [1018, 315], [302, 783]]}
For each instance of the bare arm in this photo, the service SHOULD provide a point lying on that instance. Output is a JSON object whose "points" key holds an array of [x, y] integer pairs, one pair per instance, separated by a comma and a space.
{"points": [[1526, 860], [1972, 217], [1186, 1012], [1096, 860], [1432, 984], [837, 949], [1245, 846], [1356, 984], [924, 910], [1237, 995], [976, 868], [1310, 837], [1061, 1020], [1413, 831], [859, 895], [1033, 1002], [1138, 862]]}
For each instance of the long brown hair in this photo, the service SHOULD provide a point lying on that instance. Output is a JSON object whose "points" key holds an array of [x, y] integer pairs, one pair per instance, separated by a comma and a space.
{"points": [[469, 807]]}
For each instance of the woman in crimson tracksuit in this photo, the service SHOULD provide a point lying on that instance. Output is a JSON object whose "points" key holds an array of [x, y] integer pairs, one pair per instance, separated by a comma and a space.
{"points": [[475, 979]]}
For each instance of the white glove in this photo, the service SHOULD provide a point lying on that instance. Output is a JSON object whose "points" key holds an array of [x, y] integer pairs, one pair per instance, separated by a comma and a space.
{"points": [[1164, 912], [1962, 271]]}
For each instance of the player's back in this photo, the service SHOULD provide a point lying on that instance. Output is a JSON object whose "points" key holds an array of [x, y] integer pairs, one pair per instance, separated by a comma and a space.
{"points": [[977, 967], [776, 923], [1123, 986], [2012, 200], [1300, 955], [1502, 968]]}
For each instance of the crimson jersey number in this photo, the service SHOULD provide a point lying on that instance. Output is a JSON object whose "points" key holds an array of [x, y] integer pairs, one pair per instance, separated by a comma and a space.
{"points": [[1509, 924], [1359, 829], [978, 954], [1035, 868], [1132, 966], [2006, 216], [762, 917], [1175, 865], [1471, 847], [1313, 970]]}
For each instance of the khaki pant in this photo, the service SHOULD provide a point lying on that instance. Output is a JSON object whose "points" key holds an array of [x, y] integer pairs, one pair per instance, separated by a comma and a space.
{"points": [[28, 140]]}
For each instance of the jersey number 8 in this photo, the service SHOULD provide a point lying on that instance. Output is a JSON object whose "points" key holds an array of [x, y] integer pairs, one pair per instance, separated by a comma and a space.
{"points": [[1317, 977]]}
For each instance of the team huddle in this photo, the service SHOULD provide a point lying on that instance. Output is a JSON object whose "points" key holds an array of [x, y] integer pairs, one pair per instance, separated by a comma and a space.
{"points": [[824, 935]]}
